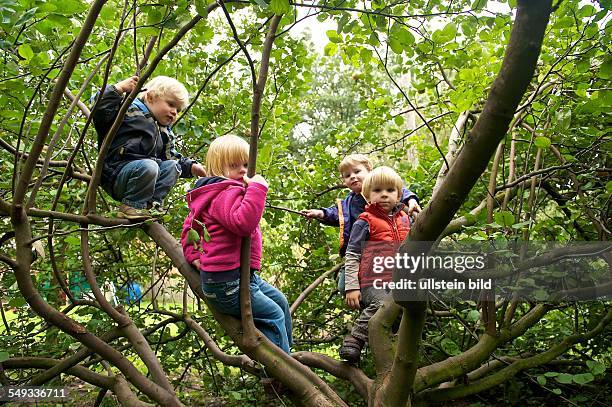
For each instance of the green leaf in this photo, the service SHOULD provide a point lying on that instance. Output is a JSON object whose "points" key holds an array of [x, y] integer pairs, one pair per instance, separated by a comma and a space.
{"points": [[72, 240], [205, 235], [542, 142], [154, 16], [596, 367], [17, 302], [396, 46], [504, 218], [583, 378], [399, 120], [473, 315], [541, 380], [193, 236], [557, 391], [565, 378], [70, 7], [450, 347], [586, 11], [551, 374], [3, 356], [450, 30], [605, 70], [479, 4], [563, 118], [365, 55], [402, 35], [202, 8], [333, 36], [330, 49], [280, 6], [26, 51]]}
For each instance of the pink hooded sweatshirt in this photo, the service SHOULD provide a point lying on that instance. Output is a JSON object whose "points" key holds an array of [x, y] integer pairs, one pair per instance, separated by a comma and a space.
{"points": [[230, 210]]}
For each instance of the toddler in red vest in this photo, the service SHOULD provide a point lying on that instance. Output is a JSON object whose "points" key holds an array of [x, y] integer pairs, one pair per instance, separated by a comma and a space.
{"points": [[378, 232]]}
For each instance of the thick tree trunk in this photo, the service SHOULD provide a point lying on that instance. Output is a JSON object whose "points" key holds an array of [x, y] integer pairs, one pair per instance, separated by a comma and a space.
{"points": [[508, 88]]}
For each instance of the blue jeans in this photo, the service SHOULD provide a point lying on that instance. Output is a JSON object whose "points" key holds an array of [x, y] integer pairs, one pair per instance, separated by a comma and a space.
{"points": [[269, 305], [141, 182]]}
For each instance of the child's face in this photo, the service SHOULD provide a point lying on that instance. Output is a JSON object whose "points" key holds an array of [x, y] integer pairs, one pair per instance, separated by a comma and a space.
{"points": [[235, 171], [164, 108], [386, 196], [353, 177]]}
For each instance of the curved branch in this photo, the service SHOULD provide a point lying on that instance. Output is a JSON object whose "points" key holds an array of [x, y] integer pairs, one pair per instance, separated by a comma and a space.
{"points": [[339, 369], [312, 286], [506, 373]]}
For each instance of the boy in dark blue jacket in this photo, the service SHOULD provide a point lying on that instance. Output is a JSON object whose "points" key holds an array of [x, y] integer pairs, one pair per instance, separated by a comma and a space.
{"points": [[353, 169], [142, 164]]}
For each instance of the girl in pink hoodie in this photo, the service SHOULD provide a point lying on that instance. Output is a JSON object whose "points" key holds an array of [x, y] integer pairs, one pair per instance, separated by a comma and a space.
{"points": [[224, 207]]}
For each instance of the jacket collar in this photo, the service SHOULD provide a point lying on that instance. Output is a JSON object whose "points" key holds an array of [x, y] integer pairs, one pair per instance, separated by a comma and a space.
{"points": [[377, 210], [140, 104]]}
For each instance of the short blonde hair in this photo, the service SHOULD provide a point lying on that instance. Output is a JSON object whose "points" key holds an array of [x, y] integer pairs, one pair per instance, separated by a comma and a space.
{"points": [[224, 151], [355, 159], [383, 177], [164, 86]]}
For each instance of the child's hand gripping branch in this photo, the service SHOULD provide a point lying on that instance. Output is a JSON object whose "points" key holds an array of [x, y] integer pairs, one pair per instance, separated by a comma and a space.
{"points": [[127, 85], [313, 213]]}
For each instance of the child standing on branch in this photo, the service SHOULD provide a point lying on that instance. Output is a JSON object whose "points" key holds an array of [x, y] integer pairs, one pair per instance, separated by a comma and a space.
{"points": [[142, 164], [377, 233], [223, 208], [353, 169]]}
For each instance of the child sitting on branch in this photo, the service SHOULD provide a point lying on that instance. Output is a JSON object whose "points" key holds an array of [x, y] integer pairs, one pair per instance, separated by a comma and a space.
{"points": [[142, 164], [223, 208]]}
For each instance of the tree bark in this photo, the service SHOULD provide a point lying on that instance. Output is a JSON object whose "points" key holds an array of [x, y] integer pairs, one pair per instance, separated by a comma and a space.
{"points": [[508, 88]]}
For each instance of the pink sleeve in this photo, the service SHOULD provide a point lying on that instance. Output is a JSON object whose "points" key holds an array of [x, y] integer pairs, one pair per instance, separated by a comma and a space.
{"points": [[191, 254], [239, 211]]}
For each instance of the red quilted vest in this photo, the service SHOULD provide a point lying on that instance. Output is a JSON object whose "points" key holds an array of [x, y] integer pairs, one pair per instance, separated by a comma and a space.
{"points": [[383, 228]]}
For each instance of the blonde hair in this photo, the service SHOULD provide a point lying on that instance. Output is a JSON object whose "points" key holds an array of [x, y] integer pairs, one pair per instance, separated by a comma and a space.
{"points": [[164, 86], [354, 159], [224, 151], [383, 177]]}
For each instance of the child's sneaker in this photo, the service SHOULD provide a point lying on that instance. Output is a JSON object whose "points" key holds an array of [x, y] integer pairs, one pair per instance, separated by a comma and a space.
{"points": [[351, 349], [127, 212]]}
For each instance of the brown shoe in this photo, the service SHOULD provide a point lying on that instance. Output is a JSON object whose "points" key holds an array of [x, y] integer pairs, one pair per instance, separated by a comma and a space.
{"points": [[127, 212], [351, 349]]}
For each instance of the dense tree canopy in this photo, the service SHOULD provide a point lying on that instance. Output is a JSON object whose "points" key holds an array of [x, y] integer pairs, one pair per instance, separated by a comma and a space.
{"points": [[495, 113]]}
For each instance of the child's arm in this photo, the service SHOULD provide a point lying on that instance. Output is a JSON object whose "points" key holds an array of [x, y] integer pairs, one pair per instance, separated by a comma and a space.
{"points": [[189, 168], [411, 200], [359, 234], [109, 105], [241, 211], [327, 216]]}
